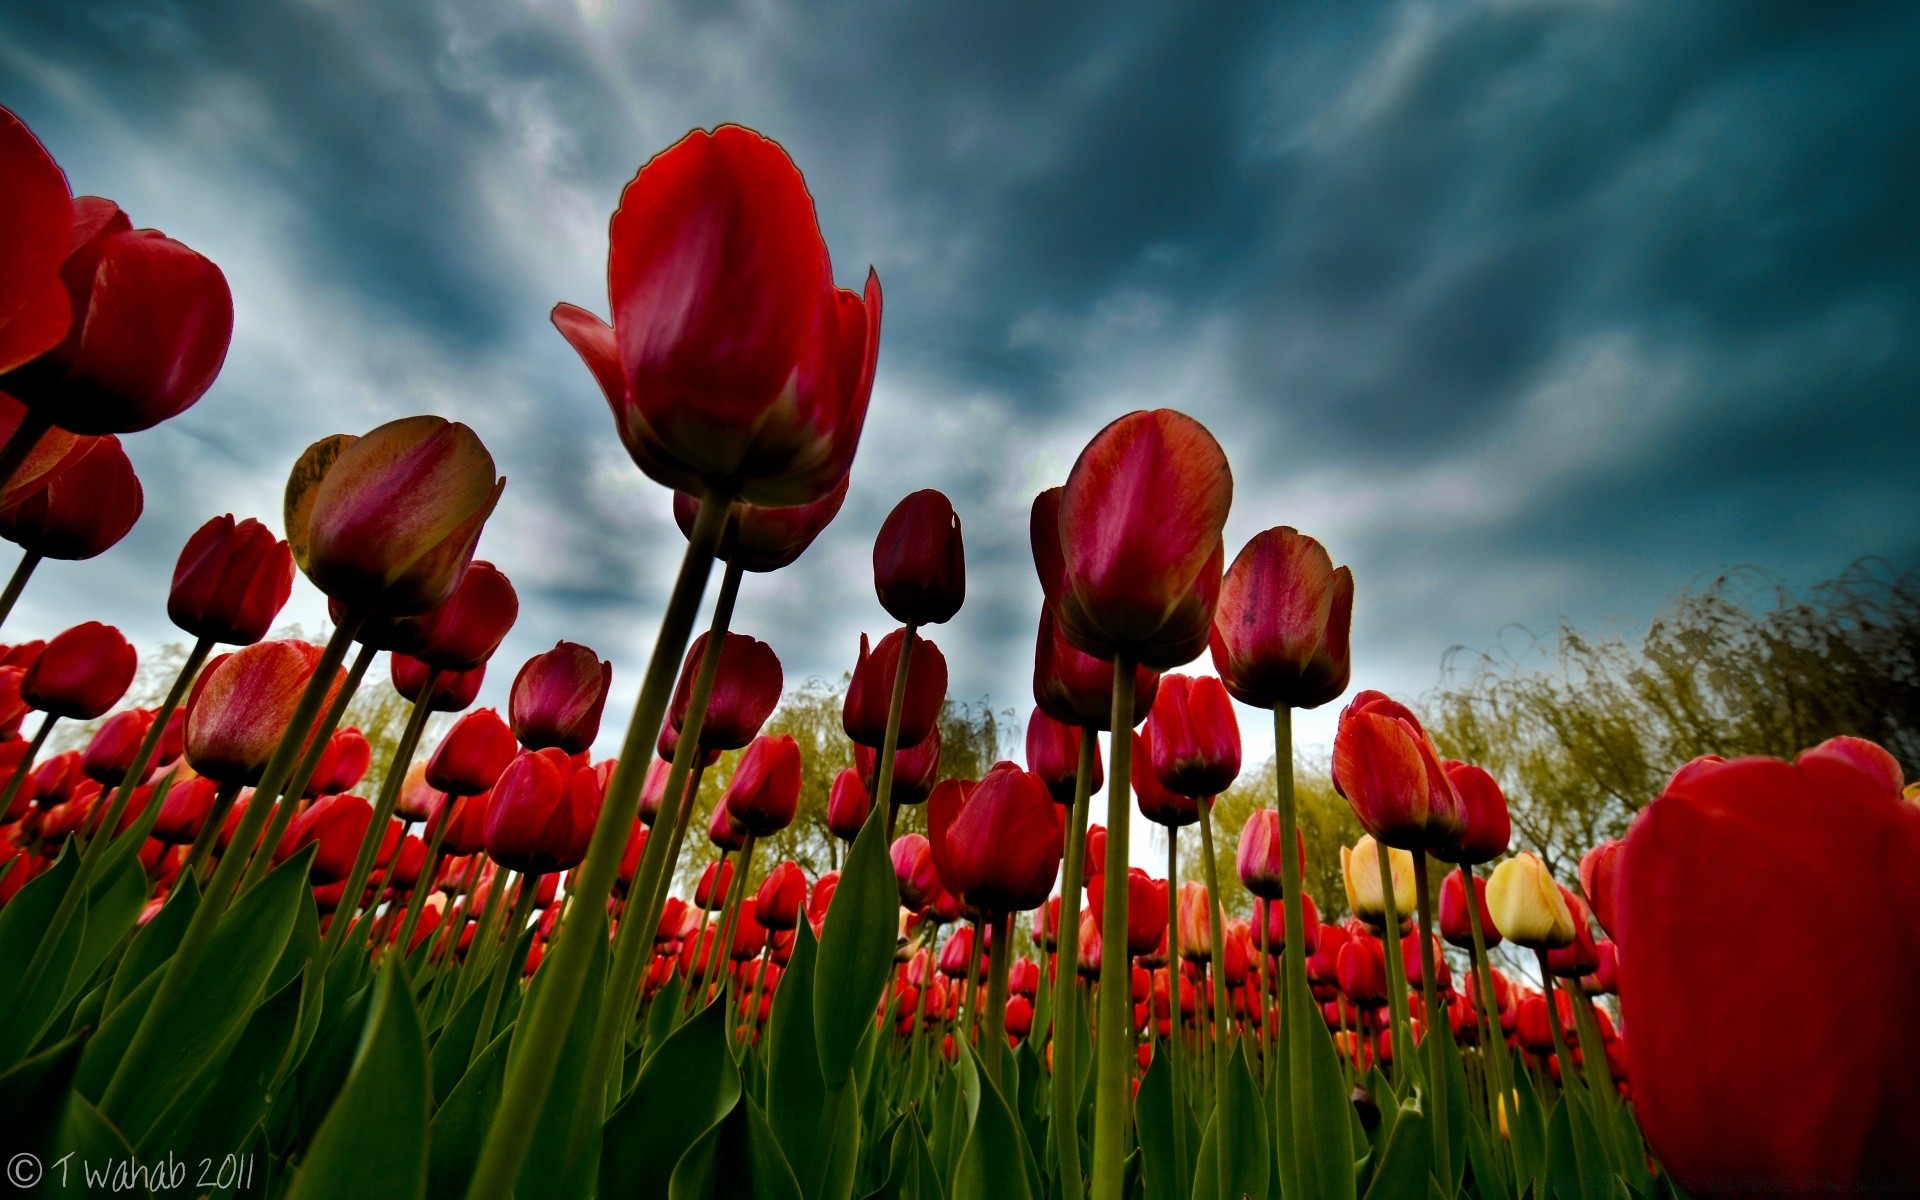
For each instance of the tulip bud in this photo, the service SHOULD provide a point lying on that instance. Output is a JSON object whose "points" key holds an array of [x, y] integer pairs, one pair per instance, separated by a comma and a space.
{"points": [[343, 764], [1157, 804], [1023, 977], [820, 899], [81, 673], [764, 793], [542, 813], [1600, 880], [653, 790], [334, 824], [463, 633], [56, 780], [1193, 736], [1094, 861], [997, 847], [1362, 970], [1454, 917], [1053, 753], [82, 510], [1274, 915], [1360, 868], [1526, 904], [1486, 826], [913, 870], [759, 538], [1582, 955], [419, 800], [558, 696], [452, 690], [115, 744], [188, 804], [35, 312], [746, 689], [919, 563], [471, 757], [1280, 633], [231, 581], [1258, 857], [242, 705], [848, 805], [1195, 909], [1386, 768], [1091, 952], [1146, 909], [777, 904], [723, 831], [869, 695], [13, 708]]}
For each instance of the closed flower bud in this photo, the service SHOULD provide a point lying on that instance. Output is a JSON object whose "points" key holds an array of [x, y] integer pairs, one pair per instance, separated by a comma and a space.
{"points": [[419, 800], [1095, 860], [915, 769], [715, 882], [471, 757], [1023, 977], [188, 804], [1362, 971], [764, 792], [913, 869], [1454, 919], [464, 632], [746, 688], [1360, 869], [231, 581], [723, 831], [1259, 856], [1270, 918], [343, 764], [864, 714], [1194, 910], [56, 780], [759, 538], [1053, 753], [919, 563], [1527, 906], [13, 708], [1194, 737], [82, 510], [466, 820], [847, 805], [558, 696], [997, 847], [782, 894], [653, 790], [1074, 687], [542, 813], [1157, 804], [1280, 633], [820, 899], [115, 744], [335, 825], [1582, 955], [1600, 880], [35, 312], [81, 673], [452, 690], [1146, 909], [242, 704], [1386, 768], [1487, 827]]}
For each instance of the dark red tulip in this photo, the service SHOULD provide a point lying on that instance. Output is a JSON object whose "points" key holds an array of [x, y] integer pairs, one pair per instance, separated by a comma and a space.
{"points": [[558, 696], [864, 714], [113, 747], [1792, 883], [1157, 804], [464, 632], [1280, 633], [1411, 964], [82, 510], [913, 867], [56, 780], [387, 522], [23, 655], [1140, 549], [1076, 688], [764, 792], [1146, 908], [1194, 737], [998, 846], [232, 580], [471, 757], [1453, 911], [1387, 770], [848, 804], [1487, 828], [1094, 862], [1258, 858], [957, 959], [653, 790], [732, 361], [343, 764], [820, 899], [916, 769], [746, 690], [1583, 956], [188, 804], [51, 451], [723, 831], [919, 562], [149, 323], [1023, 977], [242, 705], [668, 745], [542, 813], [715, 882], [1274, 914], [36, 228], [765, 539], [453, 691], [1605, 979], [630, 858], [1362, 971], [782, 894], [466, 831], [1600, 880], [82, 673], [334, 824], [1053, 753]]}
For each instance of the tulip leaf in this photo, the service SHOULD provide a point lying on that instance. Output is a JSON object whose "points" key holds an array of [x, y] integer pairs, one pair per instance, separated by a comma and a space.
{"points": [[453, 1049], [23, 922], [109, 1042], [737, 1157], [1323, 1116], [214, 1119], [995, 1162], [111, 906], [796, 1095], [33, 1094], [1159, 1165], [1526, 1124], [552, 1169], [1248, 1168], [685, 1090], [91, 1140], [1406, 1165], [460, 1125], [373, 1140], [856, 950], [154, 944]]}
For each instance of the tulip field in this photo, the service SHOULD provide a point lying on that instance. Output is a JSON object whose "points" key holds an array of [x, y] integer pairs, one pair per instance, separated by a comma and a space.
{"points": [[227, 968]]}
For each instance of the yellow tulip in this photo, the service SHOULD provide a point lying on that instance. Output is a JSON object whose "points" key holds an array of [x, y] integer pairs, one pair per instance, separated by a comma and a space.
{"points": [[1360, 868], [1526, 904]]}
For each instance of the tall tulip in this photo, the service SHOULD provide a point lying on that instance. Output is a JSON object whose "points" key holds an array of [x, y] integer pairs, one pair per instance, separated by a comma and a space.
{"points": [[558, 696], [1053, 753], [471, 757], [541, 813], [231, 581], [864, 714], [82, 673], [80, 512], [765, 789], [1280, 635], [919, 562], [243, 705], [848, 804], [463, 633], [746, 689]]}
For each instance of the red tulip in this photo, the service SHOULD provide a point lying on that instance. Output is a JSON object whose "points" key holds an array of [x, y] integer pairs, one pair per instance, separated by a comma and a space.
{"points": [[464, 632], [542, 812], [715, 882], [1258, 857], [1076, 688], [1861, 754], [1094, 861], [1386, 768], [1600, 880], [919, 563], [913, 868], [957, 959], [1141, 555], [732, 361], [820, 899], [1280, 634], [1157, 804], [764, 792], [466, 831], [1487, 828], [113, 747], [232, 580], [188, 804], [777, 904], [13, 708], [471, 757], [242, 705], [1023, 977], [758, 538], [746, 689], [630, 857], [1146, 908], [558, 696], [848, 805], [334, 824], [1411, 964], [80, 511], [864, 714], [915, 769], [56, 780], [1274, 914], [653, 790], [1819, 856], [1193, 737], [452, 690], [1362, 969], [388, 522], [723, 831], [1582, 957], [82, 673], [36, 224], [149, 323], [1195, 914], [418, 801], [997, 847], [1053, 753], [1453, 911]]}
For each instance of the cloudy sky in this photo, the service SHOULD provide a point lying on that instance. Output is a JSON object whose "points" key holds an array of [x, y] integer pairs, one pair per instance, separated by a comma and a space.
{"points": [[1528, 309]]}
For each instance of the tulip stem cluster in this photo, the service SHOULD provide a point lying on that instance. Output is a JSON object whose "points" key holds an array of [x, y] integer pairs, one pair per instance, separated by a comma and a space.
{"points": [[382, 813]]}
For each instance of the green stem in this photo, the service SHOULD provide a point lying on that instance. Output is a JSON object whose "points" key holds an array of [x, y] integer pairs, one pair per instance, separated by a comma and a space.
{"points": [[417, 900], [1493, 1046], [1570, 1090], [970, 998], [1222, 1011], [1396, 969], [17, 584], [1066, 974], [722, 959], [209, 833], [1176, 1017], [890, 744], [514, 961], [24, 768], [998, 963], [544, 1025], [1436, 1021], [1296, 1003], [1112, 1065], [382, 813]]}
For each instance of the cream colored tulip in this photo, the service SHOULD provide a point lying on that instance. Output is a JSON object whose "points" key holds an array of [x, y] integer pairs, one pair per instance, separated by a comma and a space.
{"points": [[1360, 868], [1526, 904]]}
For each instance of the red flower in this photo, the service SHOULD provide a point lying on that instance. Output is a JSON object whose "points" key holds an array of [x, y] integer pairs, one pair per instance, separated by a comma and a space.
{"points": [[343, 764], [746, 689], [1280, 634], [1146, 908], [864, 714], [82, 510], [231, 581], [1193, 737], [759, 538], [148, 327], [111, 751], [36, 223], [242, 704], [1819, 856], [1362, 970], [764, 792], [558, 696], [1274, 913], [1141, 555], [82, 673], [913, 868], [847, 805], [542, 812], [464, 632], [1053, 753], [471, 757], [915, 768], [1600, 880], [1386, 768], [919, 563], [997, 847], [715, 882], [1157, 804], [1453, 911], [820, 899], [336, 825], [188, 804], [732, 360], [777, 904], [1076, 688], [1487, 827], [1258, 858], [723, 831], [452, 690], [1582, 957]]}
